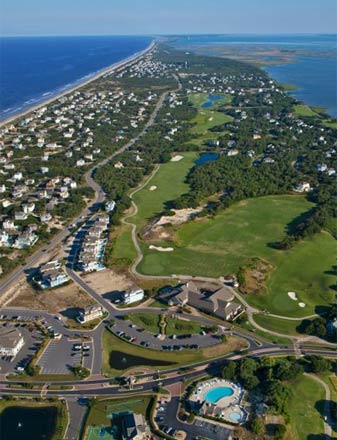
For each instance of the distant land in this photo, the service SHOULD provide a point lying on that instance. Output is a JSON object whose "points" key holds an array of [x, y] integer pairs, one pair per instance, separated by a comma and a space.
{"points": [[307, 61]]}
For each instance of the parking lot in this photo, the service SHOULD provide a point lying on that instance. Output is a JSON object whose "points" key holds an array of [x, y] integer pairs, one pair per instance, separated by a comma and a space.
{"points": [[60, 356], [166, 418], [33, 338], [125, 329]]}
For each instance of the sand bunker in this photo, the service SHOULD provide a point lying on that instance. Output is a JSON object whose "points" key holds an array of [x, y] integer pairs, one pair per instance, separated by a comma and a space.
{"points": [[152, 188], [177, 158], [302, 304], [161, 249], [293, 296], [211, 118]]}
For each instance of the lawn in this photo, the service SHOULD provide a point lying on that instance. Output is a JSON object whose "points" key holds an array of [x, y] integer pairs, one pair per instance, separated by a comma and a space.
{"points": [[170, 184], [180, 327], [185, 357], [303, 110], [305, 419], [121, 251], [213, 247], [207, 119], [150, 203], [102, 409], [147, 321], [101, 412], [284, 326], [150, 322]]}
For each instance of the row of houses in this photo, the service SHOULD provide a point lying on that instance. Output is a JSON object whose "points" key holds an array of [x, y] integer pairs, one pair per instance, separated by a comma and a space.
{"points": [[93, 245]]}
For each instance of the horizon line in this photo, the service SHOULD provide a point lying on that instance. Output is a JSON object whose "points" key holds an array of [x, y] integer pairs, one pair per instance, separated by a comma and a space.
{"points": [[153, 35]]}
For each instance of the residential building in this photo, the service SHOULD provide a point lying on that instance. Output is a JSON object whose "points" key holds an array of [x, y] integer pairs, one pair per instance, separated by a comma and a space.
{"points": [[11, 341], [132, 296], [51, 275], [134, 427], [90, 313]]}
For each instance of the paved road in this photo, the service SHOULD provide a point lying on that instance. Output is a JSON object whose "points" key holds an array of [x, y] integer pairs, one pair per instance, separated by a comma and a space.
{"points": [[76, 414], [20, 272], [329, 421]]}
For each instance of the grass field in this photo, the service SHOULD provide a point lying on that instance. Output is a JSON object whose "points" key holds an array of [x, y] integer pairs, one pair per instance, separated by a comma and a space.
{"points": [[284, 326], [185, 357], [147, 321], [100, 414], [170, 183], [213, 247], [305, 419], [207, 117], [303, 110], [150, 322], [180, 327]]}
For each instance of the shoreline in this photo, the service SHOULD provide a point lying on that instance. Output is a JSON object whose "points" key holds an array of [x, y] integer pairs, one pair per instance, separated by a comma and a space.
{"points": [[94, 77]]}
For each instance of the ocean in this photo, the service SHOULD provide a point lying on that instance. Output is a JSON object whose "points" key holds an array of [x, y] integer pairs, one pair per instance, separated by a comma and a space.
{"points": [[314, 71], [33, 69]]}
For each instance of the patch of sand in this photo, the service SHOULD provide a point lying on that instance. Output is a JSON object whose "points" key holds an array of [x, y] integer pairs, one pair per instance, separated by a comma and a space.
{"points": [[302, 304], [177, 158], [293, 296], [211, 118], [161, 249], [53, 301], [180, 216], [107, 281], [152, 188]]}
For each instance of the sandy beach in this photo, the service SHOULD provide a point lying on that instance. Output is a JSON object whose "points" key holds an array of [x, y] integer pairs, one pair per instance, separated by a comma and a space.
{"points": [[107, 70]]}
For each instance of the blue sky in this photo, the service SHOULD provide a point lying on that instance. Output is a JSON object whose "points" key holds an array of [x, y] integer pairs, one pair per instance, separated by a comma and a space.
{"points": [[93, 17]]}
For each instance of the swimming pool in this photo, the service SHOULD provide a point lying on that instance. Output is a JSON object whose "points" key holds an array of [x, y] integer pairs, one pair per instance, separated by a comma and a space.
{"points": [[236, 417], [214, 395]]}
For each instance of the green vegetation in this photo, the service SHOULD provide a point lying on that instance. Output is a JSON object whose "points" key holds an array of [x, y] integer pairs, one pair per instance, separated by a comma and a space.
{"points": [[174, 326], [101, 410], [169, 181], [147, 321], [178, 327], [305, 419], [283, 326], [113, 343], [303, 110], [248, 229]]}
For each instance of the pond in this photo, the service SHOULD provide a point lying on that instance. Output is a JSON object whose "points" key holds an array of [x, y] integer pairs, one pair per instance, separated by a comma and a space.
{"points": [[206, 157], [211, 100], [121, 361], [23, 423]]}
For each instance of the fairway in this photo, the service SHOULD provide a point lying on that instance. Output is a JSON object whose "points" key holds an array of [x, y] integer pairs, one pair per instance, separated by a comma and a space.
{"points": [[305, 418], [214, 247], [169, 183]]}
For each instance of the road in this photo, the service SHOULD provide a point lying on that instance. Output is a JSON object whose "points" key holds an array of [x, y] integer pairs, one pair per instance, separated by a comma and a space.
{"points": [[328, 419], [20, 272]]}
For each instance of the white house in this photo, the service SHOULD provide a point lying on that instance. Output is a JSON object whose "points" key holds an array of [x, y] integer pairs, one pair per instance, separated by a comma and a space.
{"points": [[132, 296], [110, 206], [303, 187], [11, 341]]}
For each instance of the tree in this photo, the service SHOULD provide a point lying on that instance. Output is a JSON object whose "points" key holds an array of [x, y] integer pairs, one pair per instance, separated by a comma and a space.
{"points": [[257, 426], [229, 371], [318, 364]]}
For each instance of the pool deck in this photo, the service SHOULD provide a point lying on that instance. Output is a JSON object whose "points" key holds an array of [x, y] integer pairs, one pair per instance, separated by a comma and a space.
{"points": [[227, 408]]}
